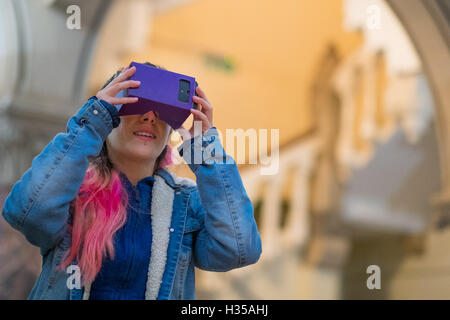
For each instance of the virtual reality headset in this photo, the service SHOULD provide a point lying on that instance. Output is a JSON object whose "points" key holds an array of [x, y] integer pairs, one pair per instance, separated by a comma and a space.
{"points": [[168, 93]]}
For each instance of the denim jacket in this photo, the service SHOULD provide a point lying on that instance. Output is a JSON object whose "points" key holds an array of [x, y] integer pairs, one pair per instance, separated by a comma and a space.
{"points": [[208, 224]]}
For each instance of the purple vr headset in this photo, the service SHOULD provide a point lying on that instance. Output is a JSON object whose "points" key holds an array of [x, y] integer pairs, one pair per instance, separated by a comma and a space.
{"points": [[168, 93]]}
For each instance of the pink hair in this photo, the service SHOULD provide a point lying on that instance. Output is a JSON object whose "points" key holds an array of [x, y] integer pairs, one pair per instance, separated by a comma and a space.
{"points": [[99, 211], [168, 158]]}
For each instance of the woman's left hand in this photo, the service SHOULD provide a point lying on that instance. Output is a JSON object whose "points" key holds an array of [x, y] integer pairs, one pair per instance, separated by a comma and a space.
{"points": [[203, 113]]}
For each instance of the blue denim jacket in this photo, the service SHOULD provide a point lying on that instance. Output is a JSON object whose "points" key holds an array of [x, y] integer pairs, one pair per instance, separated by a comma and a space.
{"points": [[208, 224]]}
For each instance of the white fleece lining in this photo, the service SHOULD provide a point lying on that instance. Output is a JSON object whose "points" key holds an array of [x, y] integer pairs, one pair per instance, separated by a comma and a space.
{"points": [[161, 213], [183, 181], [87, 291]]}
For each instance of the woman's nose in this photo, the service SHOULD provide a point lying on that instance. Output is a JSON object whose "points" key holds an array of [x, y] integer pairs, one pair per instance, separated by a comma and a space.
{"points": [[150, 116]]}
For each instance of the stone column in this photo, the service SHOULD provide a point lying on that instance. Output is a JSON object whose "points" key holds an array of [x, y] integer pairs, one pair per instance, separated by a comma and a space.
{"points": [[298, 221], [270, 231]]}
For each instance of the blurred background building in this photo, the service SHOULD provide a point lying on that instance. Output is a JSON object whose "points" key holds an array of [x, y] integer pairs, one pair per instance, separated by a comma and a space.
{"points": [[359, 90]]}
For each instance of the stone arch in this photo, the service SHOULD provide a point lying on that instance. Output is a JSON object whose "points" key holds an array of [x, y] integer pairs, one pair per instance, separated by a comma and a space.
{"points": [[428, 24]]}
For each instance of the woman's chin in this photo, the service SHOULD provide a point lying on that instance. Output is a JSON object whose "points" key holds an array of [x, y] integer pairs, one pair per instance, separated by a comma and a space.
{"points": [[140, 154]]}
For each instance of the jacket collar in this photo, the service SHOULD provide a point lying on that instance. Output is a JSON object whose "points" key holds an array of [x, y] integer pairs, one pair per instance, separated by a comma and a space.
{"points": [[170, 179], [173, 181]]}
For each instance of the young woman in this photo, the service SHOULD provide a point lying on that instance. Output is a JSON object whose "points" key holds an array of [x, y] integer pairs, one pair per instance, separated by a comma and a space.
{"points": [[112, 223]]}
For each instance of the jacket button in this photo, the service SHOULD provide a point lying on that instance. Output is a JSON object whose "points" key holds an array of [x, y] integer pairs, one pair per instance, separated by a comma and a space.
{"points": [[172, 230], [95, 111]]}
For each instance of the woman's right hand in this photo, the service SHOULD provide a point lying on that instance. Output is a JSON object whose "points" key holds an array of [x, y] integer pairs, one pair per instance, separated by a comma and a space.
{"points": [[110, 92]]}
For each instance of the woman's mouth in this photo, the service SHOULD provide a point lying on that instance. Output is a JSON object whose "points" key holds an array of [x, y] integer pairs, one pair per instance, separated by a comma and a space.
{"points": [[144, 135]]}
